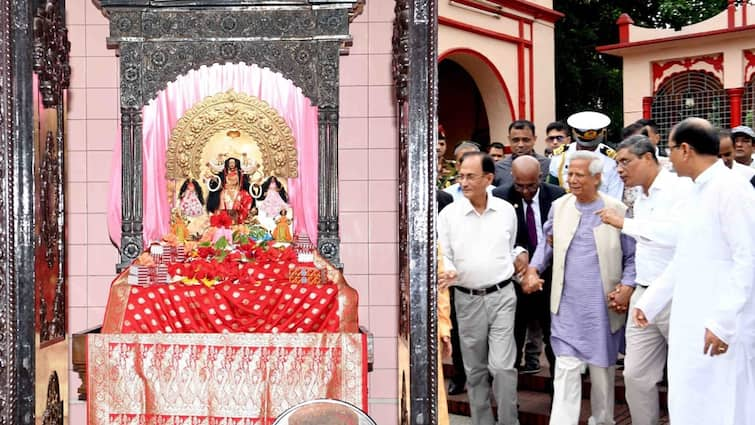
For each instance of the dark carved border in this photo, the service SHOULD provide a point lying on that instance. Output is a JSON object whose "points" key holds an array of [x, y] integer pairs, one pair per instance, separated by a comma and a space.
{"points": [[53, 414], [51, 64], [51, 53], [157, 45], [7, 310], [16, 221], [415, 76]]}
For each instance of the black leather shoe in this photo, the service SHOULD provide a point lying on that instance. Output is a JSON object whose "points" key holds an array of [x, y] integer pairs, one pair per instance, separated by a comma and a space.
{"points": [[530, 369], [456, 389]]}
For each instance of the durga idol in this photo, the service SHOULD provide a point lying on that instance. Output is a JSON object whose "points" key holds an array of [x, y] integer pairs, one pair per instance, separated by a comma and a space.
{"points": [[229, 191]]}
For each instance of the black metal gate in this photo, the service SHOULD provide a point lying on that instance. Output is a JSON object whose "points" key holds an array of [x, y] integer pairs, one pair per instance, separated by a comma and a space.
{"points": [[690, 94]]}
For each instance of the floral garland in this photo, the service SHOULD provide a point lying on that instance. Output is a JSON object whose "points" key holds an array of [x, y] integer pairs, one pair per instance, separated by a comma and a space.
{"points": [[240, 260]]}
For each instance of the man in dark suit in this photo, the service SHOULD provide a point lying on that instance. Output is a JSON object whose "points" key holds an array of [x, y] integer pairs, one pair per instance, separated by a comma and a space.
{"points": [[532, 200]]}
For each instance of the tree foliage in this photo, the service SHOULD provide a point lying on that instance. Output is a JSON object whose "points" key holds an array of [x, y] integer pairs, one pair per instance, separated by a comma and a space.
{"points": [[588, 80]]}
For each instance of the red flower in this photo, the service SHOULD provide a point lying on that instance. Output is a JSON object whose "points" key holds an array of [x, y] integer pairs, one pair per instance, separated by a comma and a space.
{"points": [[221, 219], [205, 252]]}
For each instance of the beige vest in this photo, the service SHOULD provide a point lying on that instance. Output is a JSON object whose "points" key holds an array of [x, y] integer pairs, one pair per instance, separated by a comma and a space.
{"points": [[607, 241]]}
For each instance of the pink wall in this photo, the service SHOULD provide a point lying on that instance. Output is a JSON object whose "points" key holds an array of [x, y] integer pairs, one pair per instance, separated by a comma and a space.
{"points": [[368, 175], [368, 179], [92, 119]]}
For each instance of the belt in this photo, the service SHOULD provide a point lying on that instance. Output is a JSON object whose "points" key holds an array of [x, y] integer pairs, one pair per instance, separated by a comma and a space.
{"points": [[483, 291]]}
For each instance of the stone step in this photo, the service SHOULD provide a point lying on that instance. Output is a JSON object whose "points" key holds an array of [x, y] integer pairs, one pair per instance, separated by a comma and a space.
{"points": [[535, 401]]}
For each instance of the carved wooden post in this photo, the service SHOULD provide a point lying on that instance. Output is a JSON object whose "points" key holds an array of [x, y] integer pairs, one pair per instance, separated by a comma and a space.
{"points": [[415, 74], [327, 226], [16, 215], [131, 186]]}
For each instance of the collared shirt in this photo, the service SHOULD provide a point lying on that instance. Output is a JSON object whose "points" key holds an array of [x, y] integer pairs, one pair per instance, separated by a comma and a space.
{"points": [[455, 191], [743, 170], [654, 223], [480, 247], [610, 182]]}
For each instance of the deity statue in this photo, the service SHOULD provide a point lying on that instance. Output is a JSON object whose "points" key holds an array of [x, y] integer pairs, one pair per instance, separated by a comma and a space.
{"points": [[190, 199], [273, 197], [282, 232], [229, 191]]}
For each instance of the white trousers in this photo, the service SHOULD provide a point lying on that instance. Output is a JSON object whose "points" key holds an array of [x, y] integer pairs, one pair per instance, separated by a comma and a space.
{"points": [[643, 365], [567, 392]]}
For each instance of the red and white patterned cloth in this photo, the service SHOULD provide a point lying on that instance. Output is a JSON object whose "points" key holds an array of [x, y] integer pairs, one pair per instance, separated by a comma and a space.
{"points": [[226, 307], [216, 379]]}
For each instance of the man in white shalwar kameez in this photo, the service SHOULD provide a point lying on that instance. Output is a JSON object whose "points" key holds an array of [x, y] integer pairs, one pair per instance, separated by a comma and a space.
{"points": [[711, 363]]}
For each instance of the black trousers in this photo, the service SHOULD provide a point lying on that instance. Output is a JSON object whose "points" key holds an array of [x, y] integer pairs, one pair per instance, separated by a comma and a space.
{"points": [[460, 377], [529, 308]]}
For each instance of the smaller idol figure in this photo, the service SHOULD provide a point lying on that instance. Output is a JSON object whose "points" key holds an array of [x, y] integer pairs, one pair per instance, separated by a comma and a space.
{"points": [[273, 197], [229, 191], [190, 199], [282, 232]]}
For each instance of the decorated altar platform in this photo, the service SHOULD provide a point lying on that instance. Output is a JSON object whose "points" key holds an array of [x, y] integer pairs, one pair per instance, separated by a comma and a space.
{"points": [[228, 335]]}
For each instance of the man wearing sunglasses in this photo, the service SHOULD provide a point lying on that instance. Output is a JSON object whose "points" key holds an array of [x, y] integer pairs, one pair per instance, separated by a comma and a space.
{"points": [[557, 134]]}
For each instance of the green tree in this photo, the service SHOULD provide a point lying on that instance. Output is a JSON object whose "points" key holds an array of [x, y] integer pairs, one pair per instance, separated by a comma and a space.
{"points": [[588, 80]]}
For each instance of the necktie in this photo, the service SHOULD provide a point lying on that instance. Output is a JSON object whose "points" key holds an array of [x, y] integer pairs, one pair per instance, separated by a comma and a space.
{"points": [[531, 230]]}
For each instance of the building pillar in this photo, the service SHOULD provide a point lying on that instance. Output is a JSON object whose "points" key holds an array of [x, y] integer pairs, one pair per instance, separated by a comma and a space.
{"points": [[735, 105], [647, 107]]}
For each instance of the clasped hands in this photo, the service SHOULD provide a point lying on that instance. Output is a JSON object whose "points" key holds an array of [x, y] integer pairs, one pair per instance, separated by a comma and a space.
{"points": [[531, 281], [618, 299]]}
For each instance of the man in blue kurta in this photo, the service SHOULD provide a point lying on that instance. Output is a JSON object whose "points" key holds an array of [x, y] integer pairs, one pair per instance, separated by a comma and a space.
{"points": [[593, 280]]}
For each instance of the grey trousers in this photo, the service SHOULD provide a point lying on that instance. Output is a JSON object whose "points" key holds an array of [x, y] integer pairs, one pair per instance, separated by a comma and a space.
{"points": [[486, 333], [643, 364]]}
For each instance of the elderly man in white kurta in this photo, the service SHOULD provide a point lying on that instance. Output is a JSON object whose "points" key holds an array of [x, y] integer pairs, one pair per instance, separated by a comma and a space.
{"points": [[711, 365]]}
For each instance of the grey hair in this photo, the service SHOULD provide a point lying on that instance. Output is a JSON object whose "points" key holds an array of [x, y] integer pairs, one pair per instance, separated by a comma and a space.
{"points": [[596, 162], [467, 144], [638, 145]]}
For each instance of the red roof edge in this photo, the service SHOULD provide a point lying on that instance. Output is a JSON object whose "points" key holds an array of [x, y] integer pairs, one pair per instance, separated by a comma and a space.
{"points": [[530, 8], [624, 45]]}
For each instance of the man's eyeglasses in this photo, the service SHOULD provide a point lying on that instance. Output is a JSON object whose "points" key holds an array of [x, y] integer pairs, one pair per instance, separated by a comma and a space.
{"points": [[624, 162], [552, 138], [470, 177]]}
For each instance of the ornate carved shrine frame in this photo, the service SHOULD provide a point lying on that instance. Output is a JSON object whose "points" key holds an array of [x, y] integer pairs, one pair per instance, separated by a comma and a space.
{"points": [[17, 317], [51, 65], [415, 44], [159, 40]]}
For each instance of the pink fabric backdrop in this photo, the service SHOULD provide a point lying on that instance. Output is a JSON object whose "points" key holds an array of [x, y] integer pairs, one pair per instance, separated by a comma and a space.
{"points": [[161, 115]]}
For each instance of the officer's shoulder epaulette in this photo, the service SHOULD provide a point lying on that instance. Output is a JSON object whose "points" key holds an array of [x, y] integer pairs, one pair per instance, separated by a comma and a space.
{"points": [[559, 150], [608, 151]]}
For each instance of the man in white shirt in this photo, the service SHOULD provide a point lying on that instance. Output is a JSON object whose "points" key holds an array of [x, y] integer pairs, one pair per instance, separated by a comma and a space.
{"points": [[462, 148], [477, 235], [726, 153], [743, 137], [656, 212], [711, 278]]}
